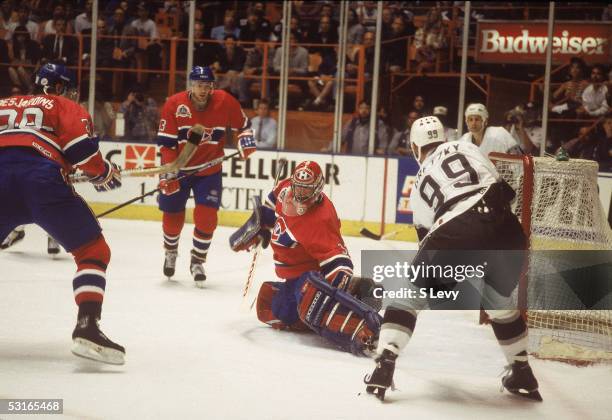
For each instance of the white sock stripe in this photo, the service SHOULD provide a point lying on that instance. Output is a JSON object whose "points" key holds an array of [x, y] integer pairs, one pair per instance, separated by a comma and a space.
{"points": [[88, 288], [172, 238], [202, 241], [90, 271], [166, 241]]}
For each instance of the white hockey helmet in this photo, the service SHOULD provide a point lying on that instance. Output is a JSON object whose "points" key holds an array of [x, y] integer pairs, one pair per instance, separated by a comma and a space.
{"points": [[477, 109], [426, 131]]}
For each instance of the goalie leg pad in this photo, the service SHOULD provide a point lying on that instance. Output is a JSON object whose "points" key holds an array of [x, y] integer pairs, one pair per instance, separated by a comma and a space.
{"points": [[275, 309], [338, 316]]}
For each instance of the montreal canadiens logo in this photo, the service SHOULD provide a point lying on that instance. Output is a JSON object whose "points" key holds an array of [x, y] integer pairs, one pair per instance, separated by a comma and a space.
{"points": [[281, 235], [279, 228], [207, 136], [183, 111], [304, 175]]}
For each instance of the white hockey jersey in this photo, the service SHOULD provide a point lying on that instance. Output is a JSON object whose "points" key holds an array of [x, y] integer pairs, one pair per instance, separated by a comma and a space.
{"points": [[495, 139], [451, 180]]}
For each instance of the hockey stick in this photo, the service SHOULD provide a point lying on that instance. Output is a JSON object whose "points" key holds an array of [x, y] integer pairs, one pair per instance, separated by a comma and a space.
{"points": [[204, 166], [368, 233], [249, 282], [195, 136]]}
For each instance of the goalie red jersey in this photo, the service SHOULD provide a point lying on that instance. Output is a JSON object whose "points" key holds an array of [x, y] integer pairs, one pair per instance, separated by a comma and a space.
{"points": [[56, 127], [310, 256], [179, 114], [310, 241]]}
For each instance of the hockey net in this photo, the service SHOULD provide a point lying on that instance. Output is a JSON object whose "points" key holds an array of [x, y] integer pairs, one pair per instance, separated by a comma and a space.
{"points": [[559, 207]]}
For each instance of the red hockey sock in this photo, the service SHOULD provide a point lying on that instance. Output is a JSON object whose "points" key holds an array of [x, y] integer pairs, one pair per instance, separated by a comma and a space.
{"points": [[205, 219], [172, 224], [89, 281]]}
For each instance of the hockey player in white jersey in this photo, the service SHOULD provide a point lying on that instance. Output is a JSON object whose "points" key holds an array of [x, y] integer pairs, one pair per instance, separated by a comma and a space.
{"points": [[459, 202], [487, 138]]}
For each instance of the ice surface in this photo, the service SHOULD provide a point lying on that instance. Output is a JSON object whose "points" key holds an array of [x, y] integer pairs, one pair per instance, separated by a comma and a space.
{"points": [[193, 353]]}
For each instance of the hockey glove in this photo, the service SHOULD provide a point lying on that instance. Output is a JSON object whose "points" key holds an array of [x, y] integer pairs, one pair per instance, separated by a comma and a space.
{"points": [[109, 179], [168, 183], [382, 377], [246, 144], [195, 134]]}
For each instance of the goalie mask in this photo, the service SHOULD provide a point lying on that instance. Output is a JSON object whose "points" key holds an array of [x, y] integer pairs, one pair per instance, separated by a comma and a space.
{"points": [[306, 186]]}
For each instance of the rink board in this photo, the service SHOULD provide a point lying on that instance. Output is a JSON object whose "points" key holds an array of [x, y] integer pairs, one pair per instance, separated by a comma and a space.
{"points": [[355, 184]]}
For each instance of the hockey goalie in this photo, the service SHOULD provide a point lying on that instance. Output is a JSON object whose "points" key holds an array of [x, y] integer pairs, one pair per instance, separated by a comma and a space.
{"points": [[300, 223]]}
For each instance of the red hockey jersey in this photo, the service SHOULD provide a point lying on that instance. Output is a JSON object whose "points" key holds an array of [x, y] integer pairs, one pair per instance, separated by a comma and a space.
{"points": [[308, 242], [56, 127], [179, 115]]}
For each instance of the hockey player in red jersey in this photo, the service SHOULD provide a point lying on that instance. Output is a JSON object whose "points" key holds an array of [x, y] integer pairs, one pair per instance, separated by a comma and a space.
{"points": [[309, 253], [218, 112], [42, 138]]}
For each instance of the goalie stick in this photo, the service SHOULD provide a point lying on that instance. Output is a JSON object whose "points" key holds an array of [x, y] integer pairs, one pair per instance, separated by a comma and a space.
{"points": [[249, 282]]}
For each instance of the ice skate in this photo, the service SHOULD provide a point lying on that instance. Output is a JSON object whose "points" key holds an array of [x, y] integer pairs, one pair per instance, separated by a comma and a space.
{"points": [[520, 381], [53, 246], [170, 263], [197, 271], [12, 238], [91, 343], [382, 378]]}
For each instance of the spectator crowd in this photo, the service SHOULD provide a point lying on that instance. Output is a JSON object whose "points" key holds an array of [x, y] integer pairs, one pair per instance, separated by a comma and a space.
{"points": [[241, 43]]}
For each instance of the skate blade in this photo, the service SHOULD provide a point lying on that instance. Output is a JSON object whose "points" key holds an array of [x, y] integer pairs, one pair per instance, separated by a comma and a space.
{"points": [[88, 350], [199, 283], [530, 395], [377, 391]]}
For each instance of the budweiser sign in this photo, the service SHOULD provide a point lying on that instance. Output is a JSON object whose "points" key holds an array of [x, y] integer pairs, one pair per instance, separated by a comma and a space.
{"points": [[525, 41]]}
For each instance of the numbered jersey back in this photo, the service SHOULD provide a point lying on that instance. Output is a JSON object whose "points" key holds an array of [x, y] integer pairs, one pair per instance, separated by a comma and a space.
{"points": [[54, 126], [450, 173]]}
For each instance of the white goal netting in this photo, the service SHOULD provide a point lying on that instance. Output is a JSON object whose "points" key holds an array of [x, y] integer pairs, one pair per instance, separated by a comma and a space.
{"points": [[558, 204]]}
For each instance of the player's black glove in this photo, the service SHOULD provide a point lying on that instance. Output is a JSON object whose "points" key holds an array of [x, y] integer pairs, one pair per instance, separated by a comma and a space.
{"points": [[382, 377], [109, 179]]}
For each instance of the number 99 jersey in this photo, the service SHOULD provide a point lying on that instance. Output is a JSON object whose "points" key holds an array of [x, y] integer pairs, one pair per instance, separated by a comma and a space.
{"points": [[451, 180]]}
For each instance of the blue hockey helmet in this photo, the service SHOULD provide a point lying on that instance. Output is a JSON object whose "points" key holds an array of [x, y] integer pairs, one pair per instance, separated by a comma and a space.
{"points": [[52, 73], [202, 74]]}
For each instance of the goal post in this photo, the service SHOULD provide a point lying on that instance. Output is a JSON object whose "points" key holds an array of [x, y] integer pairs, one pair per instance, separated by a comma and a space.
{"points": [[559, 208]]}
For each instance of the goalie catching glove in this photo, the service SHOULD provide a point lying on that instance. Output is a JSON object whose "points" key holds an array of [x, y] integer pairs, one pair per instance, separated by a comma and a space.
{"points": [[109, 179], [249, 235], [246, 144]]}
